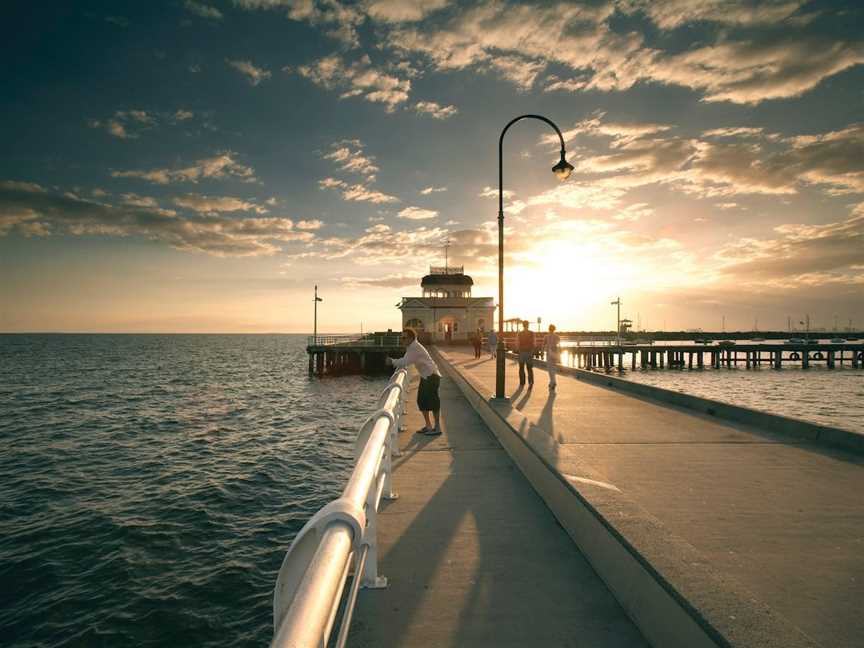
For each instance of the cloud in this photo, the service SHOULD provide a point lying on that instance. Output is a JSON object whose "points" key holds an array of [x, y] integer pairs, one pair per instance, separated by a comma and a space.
{"points": [[436, 110], [431, 190], [129, 124], [30, 209], [640, 161], [119, 125], [218, 167], [811, 254], [776, 66], [729, 161], [518, 70], [620, 132], [397, 11], [380, 244], [387, 281], [202, 10], [580, 196], [254, 75], [492, 192], [417, 213], [735, 131], [521, 38], [518, 41], [313, 224], [358, 79], [671, 14], [834, 161], [357, 192], [134, 200], [349, 156], [342, 19], [208, 204], [633, 212]]}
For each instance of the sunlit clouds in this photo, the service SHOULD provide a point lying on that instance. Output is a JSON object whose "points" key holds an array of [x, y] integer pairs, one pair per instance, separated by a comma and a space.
{"points": [[254, 75], [35, 211], [220, 166], [717, 146]]}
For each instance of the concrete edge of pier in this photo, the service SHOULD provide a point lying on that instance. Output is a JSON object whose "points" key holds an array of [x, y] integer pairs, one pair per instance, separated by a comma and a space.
{"points": [[775, 423], [664, 584]]}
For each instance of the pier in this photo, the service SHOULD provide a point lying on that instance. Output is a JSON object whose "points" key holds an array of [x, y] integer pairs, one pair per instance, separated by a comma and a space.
{"points": [[699, 356], [675, 527], [352, 354]]}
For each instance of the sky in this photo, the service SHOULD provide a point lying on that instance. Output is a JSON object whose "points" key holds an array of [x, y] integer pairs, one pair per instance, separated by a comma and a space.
{"points": [[198, 166]]}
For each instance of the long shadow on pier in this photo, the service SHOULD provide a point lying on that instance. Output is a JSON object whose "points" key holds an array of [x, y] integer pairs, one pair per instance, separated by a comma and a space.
{"points": [[779, 519], [475, 558]]}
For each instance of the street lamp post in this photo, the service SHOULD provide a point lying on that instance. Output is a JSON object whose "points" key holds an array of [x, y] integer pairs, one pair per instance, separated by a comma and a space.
{"points": [[562, 169], [617, 303], [315, 325]]}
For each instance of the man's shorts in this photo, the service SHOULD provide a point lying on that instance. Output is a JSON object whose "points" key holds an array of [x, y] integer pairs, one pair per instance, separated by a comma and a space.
{"points": [[427, 394]]}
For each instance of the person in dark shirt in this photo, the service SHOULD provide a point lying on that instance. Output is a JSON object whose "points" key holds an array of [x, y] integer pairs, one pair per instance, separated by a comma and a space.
{"points": [[477, 341], [525, 346]]}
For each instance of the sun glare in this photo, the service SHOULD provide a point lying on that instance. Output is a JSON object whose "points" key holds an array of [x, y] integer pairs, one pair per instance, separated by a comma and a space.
{"points": [[563, 282]]}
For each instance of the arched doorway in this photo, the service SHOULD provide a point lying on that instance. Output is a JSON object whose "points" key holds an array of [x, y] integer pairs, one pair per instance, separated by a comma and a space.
{"points": [[447, 328]]}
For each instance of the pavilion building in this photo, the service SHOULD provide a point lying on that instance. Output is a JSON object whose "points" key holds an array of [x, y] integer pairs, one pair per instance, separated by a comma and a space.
{"points": [[447, 311]]}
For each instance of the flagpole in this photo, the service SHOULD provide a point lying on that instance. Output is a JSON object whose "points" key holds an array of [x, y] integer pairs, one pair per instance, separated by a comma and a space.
{"points": [[315, 330]]}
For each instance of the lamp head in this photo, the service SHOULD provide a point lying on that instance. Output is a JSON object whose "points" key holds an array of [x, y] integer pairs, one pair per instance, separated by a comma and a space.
{"points": [[563, 169]]}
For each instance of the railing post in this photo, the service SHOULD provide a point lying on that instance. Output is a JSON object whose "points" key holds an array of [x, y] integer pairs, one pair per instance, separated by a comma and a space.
{"points": [[370, 579]]}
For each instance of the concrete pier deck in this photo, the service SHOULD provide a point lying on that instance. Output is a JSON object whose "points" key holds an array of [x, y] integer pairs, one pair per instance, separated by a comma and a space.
{"points": [[473, 555], [761, 536]]}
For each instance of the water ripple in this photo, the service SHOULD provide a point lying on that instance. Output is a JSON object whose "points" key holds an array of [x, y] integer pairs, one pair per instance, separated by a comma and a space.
{"points": [[830, 397], [151, 484]]}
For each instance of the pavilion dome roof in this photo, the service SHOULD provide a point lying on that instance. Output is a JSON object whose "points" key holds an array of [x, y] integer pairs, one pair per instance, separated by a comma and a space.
{"points": [[446, 280]]}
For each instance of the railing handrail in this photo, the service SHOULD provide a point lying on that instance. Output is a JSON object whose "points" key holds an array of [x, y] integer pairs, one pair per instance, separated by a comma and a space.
{"points": [[312, 578]]}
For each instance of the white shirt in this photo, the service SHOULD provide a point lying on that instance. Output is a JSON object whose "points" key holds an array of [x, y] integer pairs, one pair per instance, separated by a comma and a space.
{"points": [[417, 355]]}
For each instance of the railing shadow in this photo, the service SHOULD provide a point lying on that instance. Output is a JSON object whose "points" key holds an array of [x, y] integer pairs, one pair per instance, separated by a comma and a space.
{"points": [[473, 507]]}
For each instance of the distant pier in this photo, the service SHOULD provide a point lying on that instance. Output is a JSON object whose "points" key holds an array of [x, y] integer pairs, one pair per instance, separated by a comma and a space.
{"points": [[352, 354], [698, 356]]}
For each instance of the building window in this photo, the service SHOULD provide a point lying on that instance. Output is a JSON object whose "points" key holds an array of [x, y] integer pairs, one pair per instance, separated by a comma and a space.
{"points": [[416, 324]]}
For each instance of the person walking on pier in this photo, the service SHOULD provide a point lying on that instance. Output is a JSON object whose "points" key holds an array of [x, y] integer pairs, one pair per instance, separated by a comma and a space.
{"points": [[525, 344], [430, 379], [552, 345], [477, 341], [492, 341]]}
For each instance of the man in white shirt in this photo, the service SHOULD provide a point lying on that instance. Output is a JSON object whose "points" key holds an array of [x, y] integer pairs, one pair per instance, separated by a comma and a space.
{"points": [[430, 379]]}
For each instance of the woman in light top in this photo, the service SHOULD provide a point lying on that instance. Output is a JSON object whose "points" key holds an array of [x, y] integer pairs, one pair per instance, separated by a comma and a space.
{"points": [[552, 346], [492, 342]]}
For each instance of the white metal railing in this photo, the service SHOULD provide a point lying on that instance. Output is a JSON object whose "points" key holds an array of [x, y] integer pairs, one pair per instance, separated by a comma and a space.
{"points": [[311, 581], [368, 340]]}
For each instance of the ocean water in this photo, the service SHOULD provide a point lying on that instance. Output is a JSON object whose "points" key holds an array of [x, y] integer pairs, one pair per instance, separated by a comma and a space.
{"points": [[833, 397], [150, 484]]}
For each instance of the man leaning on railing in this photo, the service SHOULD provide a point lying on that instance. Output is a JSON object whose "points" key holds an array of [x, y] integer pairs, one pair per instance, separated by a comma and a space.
{"points": [[430, 379]]}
